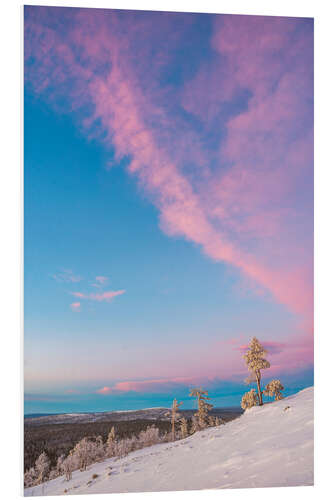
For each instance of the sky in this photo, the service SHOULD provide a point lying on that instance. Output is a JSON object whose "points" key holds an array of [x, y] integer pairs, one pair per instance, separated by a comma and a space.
{"points": [[168, 197]]}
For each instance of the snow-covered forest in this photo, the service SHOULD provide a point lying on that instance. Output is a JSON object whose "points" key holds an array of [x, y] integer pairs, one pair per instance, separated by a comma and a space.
{"points": [[279, 435]]}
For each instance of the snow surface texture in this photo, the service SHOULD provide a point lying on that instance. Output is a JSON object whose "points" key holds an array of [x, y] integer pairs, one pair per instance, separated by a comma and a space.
{"points": [[267, 446]]}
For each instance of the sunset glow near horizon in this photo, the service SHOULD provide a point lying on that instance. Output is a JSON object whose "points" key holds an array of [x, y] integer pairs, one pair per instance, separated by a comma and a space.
{"points": [[168, 205]]}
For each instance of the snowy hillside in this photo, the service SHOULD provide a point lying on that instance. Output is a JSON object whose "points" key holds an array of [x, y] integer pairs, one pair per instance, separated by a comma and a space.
{"points": [[267, 446]]}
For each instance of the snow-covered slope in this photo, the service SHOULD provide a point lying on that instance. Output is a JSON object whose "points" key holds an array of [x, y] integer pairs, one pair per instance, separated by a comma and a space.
{"points": [[267, 446]]}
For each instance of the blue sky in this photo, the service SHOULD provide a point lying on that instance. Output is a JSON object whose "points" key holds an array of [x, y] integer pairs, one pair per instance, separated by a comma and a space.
{"points": [[98, 204]]}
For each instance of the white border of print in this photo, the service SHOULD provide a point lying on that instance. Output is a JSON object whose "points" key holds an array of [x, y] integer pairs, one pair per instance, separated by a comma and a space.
{"points": [[11, 224]]}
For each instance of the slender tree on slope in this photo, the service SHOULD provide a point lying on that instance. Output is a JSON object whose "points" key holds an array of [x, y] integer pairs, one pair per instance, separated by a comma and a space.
{"points": [[254, 358], [203, 406], [110, 443], [183, 427], [174, 417]]}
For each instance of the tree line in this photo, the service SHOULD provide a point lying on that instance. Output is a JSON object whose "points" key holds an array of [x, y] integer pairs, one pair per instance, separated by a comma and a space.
{"points": [[90, 450]]}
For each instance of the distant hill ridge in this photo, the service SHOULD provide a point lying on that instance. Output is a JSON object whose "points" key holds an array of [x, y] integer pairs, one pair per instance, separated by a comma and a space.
{"points": [[157, 413]]}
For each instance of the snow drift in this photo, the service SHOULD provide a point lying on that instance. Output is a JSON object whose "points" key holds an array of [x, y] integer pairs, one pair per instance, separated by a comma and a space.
{"points": [[267, 446]]}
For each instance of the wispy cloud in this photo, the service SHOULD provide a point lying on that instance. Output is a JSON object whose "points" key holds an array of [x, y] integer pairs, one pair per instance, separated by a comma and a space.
{"points": [[101, 279], [254, 212], [78, 294], [66, 276], [106, 296], [76, 306], [153, 385]]}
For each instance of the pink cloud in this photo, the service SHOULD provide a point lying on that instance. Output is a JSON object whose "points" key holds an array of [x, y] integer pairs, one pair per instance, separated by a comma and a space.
{"points": [[104, 390], [242, 213], [105, 296], [153, 385], [76, 306], [99, 297]]}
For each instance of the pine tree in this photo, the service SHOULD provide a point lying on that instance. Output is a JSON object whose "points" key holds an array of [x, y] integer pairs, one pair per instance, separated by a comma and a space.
{"points": [[42, 468], [254, 358], [194, 424], [249, 399], [68, 465], [30, 477], [97, 450], [219, 421], [149, 437], [83, 452], [273, 389], [110, 443], [183, 428], [174, 417], [211, 421], [203, 406]]}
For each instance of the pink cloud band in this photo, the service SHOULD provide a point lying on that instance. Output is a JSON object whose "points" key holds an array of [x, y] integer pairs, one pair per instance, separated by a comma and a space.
{"points": [[99, 297]]}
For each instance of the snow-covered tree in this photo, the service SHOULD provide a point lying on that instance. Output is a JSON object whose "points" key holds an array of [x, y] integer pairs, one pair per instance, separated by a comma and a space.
{"points": [[211, 421], [175, 416], [97, 449], [124, 446], [149, 437], [249, 399], [255, 361], [42, 468], [83, 452], [183, 428], [53, 474], [68, 465], [60, 461], [30, 477], [195, 426], [110, 443], [203, 406], [274, 389]]}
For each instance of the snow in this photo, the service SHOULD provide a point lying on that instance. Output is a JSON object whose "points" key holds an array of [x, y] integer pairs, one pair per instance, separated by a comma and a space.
{"points": [[268, 446]]}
